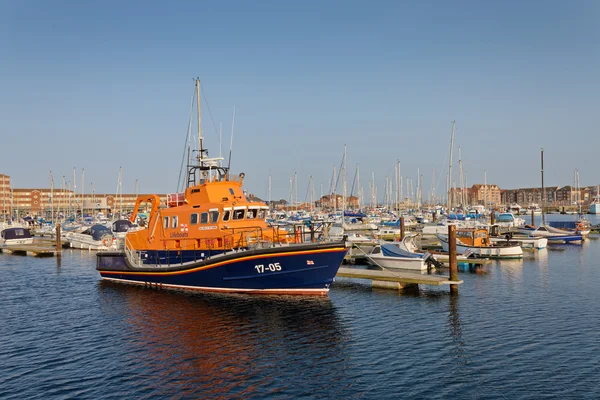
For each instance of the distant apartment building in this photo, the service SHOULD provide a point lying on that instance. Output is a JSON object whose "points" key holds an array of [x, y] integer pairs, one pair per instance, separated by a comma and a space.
{"points": [[336, 201], [4, 194], [484, 194], [41, 202], [477, 194], [554, 195]]}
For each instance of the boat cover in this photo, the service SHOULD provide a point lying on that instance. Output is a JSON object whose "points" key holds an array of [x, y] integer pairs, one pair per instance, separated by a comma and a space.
{"points": [[390, 250], [122, 225], [16, 233], [98, 231]]}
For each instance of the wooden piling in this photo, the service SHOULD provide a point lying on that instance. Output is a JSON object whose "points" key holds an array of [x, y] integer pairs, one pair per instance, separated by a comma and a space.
{"points": [[58, 241], [492, 217], [532, 218], [433, 216], [452, 258], [401, 228]]}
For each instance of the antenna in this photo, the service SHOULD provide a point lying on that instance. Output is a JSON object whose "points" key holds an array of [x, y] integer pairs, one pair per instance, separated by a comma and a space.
{"points": [[231, 140]]}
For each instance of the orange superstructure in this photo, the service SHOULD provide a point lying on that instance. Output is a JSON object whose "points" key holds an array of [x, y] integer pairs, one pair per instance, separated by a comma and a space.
{"points": [[211, 215]]}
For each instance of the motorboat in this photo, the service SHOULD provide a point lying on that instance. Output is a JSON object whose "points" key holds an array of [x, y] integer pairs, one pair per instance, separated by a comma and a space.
{"points": [[15, 236], [96, 237], [402, 255], [554, 235], [477, 240]]}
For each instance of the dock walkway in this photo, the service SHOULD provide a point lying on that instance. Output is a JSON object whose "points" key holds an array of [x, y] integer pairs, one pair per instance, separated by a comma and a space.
{"points": [[388, 279], [33, 249]]}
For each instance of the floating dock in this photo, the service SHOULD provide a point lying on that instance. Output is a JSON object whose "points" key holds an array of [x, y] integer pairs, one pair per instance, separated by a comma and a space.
{"points": [[33, 249], [388, 279]]}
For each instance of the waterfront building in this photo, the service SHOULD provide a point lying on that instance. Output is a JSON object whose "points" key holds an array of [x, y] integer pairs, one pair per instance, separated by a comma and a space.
{"points": [[336, 201], [484, 194], [41, 202], [477, 194], [4, 195]]}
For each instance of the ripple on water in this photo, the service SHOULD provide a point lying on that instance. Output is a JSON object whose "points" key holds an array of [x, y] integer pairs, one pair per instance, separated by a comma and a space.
{"points": [[516, 330]]}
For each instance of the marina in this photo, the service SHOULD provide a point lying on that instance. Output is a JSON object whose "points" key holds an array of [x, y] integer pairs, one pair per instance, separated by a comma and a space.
{"points": [[347, 206], [70, 312]]}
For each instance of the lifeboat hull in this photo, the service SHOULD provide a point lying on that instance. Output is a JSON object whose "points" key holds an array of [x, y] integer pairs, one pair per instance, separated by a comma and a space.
{"points": [[304, 269]]}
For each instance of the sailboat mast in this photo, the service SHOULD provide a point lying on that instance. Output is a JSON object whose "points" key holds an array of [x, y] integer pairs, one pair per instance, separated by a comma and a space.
{"points": [[485, 188], [543, 190], [74, 194], [269, 197], [450, 169], [358, 184], [344, 184], [51, 198], [82, 190], [462, 183]]}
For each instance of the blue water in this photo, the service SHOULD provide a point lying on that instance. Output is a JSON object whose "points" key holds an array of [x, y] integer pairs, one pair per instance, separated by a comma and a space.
{"points": [[525, 329]]}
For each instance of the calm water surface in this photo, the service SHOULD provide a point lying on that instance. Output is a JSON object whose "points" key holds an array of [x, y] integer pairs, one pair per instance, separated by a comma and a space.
{"points": [[524, 329]]}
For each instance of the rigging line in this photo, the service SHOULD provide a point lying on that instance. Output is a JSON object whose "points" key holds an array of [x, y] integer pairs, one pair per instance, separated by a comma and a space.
{"points": [[209, 111], [441, 173], [353, 182], [338, 177], [187, 141], [307, 191]]}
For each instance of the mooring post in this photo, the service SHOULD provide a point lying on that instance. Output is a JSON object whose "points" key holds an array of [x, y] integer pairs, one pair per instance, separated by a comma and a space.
{"points": [[401, 228], [452, 258], [58, 241], [492, 217], [532, 218], [433, 216]]}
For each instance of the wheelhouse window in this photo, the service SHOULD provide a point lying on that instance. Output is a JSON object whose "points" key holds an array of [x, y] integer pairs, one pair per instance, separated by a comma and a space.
{"points": [[166, 222], [251, 213], [174, 222], [194, 219], [226, 215], [262, 214], [239, 214], [231, 191], [204, 218], [214, 217]]}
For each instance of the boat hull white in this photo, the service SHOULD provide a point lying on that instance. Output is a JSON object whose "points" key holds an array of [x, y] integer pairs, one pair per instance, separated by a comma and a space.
{"points": [[500, 252], [526, 242], [415, 264]]}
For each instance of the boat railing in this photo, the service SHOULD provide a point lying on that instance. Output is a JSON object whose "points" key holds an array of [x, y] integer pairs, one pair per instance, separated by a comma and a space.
{"points": [[175, 199], [206, 248], [134, 257]]}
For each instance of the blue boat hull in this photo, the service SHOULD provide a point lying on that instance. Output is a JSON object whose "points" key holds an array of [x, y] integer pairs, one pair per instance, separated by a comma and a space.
{"points": [[295, 269]]}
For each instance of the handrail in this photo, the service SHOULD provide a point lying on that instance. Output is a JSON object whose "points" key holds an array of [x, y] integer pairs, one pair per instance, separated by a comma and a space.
{"points": [[133, 256]]}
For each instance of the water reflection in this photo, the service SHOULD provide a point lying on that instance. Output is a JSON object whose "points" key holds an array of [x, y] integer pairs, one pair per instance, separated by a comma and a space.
{"points": [[512, 268], [213, 344], [455, 327]]}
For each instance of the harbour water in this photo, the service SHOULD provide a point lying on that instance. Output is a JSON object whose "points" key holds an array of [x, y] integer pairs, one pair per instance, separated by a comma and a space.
{"points": [[518, 329]]}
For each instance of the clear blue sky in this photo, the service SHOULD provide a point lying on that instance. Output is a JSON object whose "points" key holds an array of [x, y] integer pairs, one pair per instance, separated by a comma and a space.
{"points": [[99, 85]]}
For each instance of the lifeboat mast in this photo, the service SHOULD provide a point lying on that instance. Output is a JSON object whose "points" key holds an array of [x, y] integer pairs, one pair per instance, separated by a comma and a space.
{"points": [[205, 165]]}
